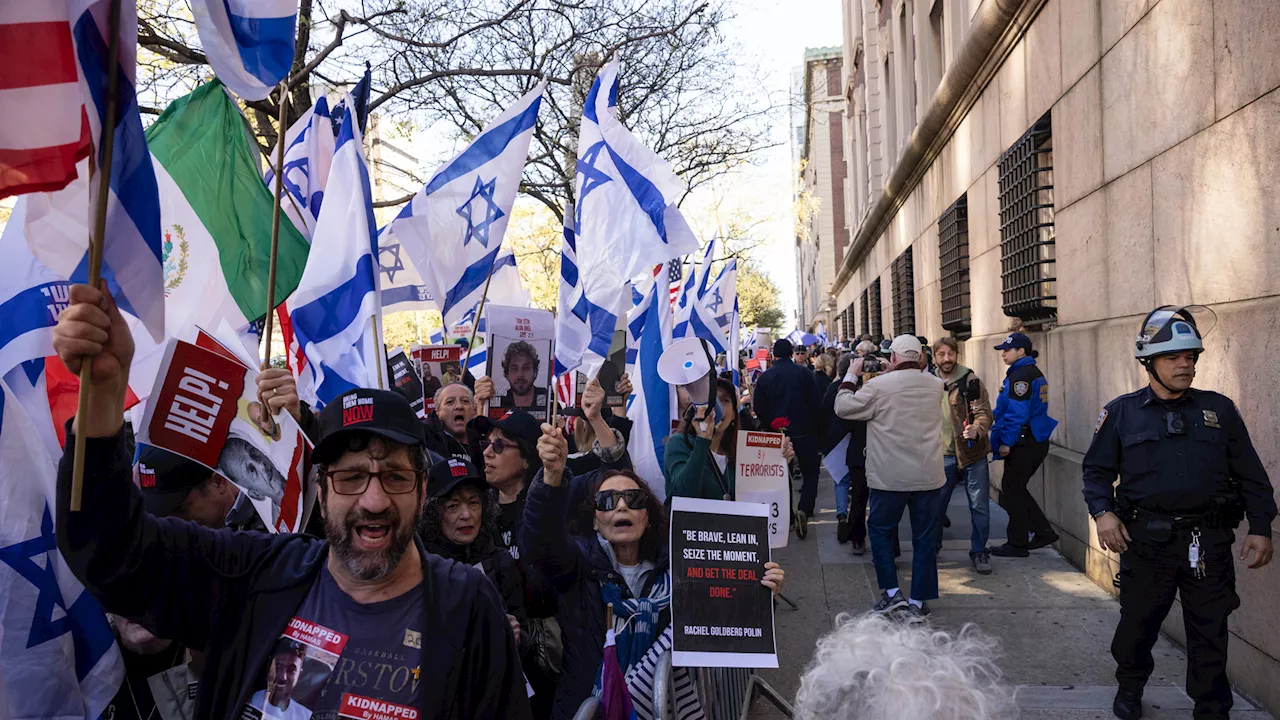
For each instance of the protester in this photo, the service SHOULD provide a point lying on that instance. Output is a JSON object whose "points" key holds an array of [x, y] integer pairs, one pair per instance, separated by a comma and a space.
{"points": [[612, 550], [787, 392], [458, 522], [236, 594], [844, 454], [966, 420], [510, 462], [700, 458], [824, 370], [1020, 435], [904, 466], [871, 667], [447, 424], [801, 357], [596, 440]]}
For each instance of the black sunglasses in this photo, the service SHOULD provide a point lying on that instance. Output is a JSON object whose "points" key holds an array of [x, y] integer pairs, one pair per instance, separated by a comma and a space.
{"points": [[499, 446], [607, 500]]}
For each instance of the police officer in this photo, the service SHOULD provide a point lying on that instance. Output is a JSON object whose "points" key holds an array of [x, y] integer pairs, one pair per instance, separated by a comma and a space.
{"points": [[1188, 474]]}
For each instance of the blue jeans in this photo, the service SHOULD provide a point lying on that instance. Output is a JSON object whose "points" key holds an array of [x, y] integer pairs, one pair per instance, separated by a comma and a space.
{"points": [[926, 522], [977, 485], [843, 484]]}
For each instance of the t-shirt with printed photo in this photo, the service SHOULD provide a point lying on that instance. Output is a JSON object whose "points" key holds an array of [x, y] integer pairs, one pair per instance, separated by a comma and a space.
{"points": [[340, 659]]}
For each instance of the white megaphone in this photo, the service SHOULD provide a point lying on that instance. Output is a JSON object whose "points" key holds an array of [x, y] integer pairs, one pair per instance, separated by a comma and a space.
{"points": [[687, 363]]}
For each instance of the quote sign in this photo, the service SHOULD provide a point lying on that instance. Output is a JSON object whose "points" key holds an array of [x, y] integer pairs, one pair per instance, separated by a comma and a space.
{"points": [[405, 380], [721, 616], [762, 475]]}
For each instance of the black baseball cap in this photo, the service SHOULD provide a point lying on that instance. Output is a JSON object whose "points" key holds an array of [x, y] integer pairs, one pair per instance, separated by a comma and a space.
{"points": [[166, 479], [1015, 341], [513, 423], [382, 412], [783, 348], [446, 475]]}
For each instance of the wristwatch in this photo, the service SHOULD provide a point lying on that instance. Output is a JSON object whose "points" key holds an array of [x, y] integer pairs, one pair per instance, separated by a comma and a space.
{"points": [[1100, 513]]}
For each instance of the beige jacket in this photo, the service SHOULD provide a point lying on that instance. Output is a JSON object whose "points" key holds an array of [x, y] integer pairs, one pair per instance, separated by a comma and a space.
{"points": [[904, 428]]}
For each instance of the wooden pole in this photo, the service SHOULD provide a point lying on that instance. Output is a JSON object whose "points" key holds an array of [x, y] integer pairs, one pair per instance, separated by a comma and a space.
{"points": [[475, 325], [96, 238], [268, 328]]}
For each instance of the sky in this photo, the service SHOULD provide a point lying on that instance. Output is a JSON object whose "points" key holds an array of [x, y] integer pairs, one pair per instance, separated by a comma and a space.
{"points": [[775, 34]]}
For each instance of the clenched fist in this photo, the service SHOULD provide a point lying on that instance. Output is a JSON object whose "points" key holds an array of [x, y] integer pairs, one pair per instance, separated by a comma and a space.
{"points": [[92, 329]]}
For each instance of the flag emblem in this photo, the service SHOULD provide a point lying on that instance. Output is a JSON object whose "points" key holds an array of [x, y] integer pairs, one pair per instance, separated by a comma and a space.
{"points": [[488, 210], [175, 268]]}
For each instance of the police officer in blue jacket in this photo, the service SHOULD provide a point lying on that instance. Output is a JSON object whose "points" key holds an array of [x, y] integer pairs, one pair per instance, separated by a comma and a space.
{"points": [[1188, 475], [1020, 435]]}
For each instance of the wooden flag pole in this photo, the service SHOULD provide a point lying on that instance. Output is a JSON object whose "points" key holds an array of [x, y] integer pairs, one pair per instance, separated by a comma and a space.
{"points": [[475, 325], [96, 239], [268, 327]]}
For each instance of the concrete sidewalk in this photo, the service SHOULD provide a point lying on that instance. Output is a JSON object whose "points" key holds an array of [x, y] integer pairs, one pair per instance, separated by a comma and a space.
{"points": [[1054, 624]]}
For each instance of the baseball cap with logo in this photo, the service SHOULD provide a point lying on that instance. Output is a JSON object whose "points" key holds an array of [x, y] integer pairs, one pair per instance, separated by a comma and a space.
{"points": [[363, 410], [1015, 341], [513, 424], [446, 475], [166, 479], [907, 346]]}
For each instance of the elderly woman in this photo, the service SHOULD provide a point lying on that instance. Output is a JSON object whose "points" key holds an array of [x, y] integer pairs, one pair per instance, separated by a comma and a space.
{"points": [[700, 456], [611, 551]]}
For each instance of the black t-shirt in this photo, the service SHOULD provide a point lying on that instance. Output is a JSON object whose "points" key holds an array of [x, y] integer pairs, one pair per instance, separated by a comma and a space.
{"points": [[338, 658]]}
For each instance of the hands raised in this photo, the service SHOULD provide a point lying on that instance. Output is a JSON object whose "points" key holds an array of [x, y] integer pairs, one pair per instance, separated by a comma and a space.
{"points": [[553, 450]]}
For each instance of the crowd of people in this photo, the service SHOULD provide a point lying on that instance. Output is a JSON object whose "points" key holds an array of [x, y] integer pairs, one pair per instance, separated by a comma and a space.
{"points": [[470, 565]]}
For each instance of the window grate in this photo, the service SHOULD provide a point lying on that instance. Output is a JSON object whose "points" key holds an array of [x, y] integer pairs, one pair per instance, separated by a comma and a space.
{"points": [[1027, 273], [864, 325], [953, 253], [875, 327], [904, 295]]}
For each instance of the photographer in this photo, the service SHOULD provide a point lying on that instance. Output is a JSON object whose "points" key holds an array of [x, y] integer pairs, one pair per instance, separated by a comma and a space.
{"points": [[904, 465]]}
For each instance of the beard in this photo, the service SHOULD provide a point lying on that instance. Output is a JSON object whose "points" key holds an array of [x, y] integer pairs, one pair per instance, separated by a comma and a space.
{"points": [[522, 386], [369, 566]]}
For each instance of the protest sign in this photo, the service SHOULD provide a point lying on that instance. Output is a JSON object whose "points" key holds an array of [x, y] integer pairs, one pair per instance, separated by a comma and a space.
{"points": [[721, 616], [405, 380], [762, 475], [519, 359], [204, 406], [439, 365], [611, 372]]}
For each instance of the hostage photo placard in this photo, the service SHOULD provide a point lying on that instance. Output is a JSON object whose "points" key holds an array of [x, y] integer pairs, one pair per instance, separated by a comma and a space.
{"points": [[721, 616], [204, 407], [762, 475], [439, 365], [405, 380], [519, 359]]}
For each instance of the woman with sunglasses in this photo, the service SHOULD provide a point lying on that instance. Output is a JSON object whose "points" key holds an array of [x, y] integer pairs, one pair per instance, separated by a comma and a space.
{"points": [[610, 551]]}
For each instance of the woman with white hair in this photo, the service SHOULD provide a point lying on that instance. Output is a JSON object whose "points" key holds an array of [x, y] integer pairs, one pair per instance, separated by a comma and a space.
{"points": [[871, 667]]}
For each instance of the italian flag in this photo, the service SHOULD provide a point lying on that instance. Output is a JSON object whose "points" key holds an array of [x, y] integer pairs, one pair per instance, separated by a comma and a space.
{"points": [[215, 215]]}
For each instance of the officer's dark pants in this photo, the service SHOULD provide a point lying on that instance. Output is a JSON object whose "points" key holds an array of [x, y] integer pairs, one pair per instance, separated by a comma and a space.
{"points": [[1025, 515], [1150, 574], [809, 455]]}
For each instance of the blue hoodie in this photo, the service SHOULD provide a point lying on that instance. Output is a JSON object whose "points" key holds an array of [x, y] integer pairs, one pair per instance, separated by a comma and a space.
{"points": [[1023, 401]]}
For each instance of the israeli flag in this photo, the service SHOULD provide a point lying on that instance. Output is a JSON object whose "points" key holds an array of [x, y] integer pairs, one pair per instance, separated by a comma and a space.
{"points": [[403, 288], [308, 154], [451, 231], [694, 288], [249, 43], [822, 333], [651, 406], [625, 221], [335, 308], [752, 342], [132, 263], [721, 302]]}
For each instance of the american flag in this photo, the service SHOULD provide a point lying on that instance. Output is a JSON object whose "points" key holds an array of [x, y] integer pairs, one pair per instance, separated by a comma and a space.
{"points": [[675, 273]]}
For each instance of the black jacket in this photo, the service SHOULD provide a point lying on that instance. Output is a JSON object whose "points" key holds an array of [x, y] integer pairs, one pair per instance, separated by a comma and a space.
{"points": [[788, 390], [576, 565], [444, 444], [838, 427], [233, 593]]}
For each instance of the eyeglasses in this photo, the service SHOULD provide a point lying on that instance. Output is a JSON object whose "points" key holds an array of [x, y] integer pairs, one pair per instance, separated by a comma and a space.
{"points": [[395, 481], [498, 446], [607, 500]]}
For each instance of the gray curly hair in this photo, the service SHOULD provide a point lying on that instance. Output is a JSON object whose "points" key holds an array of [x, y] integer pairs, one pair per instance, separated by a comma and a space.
{"points": [[872, 667]]}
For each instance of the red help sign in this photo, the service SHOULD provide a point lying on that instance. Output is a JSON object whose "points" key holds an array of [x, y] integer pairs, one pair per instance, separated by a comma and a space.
{"points": [[438, 354], [196, 403]]}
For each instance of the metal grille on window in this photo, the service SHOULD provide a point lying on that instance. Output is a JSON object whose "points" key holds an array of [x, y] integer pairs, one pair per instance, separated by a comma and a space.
{"points": [[953, 252], [1027, 271], [876, 328], [865, 327], [904, 295]]}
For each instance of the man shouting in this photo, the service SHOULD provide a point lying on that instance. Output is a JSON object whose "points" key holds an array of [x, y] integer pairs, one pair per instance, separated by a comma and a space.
{"points": [[377, 623]]}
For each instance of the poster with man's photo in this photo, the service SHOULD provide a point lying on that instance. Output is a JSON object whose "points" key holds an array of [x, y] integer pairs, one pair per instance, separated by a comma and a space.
{"points": [[204, 406], [405, 380], [301, 661], [611, 372], [519, 359], [440, 365]]}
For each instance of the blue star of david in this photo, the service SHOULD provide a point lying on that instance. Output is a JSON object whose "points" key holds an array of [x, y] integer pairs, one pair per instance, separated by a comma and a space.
{"points": [[397, 264], [715, 306], [592, 178], [489, 213], [90, 633]]}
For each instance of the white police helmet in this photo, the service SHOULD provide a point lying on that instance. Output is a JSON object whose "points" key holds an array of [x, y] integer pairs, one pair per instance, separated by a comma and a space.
{"points": [[1168, 329]]}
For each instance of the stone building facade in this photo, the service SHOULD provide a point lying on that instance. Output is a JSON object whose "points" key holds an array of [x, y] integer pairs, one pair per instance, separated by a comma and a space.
{"points": [[1068, 165], [822, 233]]}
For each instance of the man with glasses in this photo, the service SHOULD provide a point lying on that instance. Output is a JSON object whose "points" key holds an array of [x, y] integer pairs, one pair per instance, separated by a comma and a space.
{"points": [[396, 631]]}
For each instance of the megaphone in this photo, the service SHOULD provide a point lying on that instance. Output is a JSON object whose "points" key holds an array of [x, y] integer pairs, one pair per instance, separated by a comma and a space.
{"points": [[687, 363]]}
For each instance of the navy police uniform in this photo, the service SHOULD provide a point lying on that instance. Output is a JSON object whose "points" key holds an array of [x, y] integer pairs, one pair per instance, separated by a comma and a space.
{"points": [[1186, 467], [1021, 422]]}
